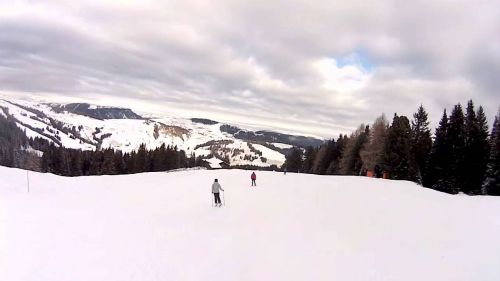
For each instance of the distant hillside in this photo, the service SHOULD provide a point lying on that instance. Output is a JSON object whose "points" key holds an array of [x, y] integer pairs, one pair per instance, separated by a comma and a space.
{"points": [[266, 136], [204, 121], [97, 112]]}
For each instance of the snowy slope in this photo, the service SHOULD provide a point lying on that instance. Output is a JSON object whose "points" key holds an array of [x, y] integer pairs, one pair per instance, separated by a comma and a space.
{"points": [[83, 132], [161, 226]]}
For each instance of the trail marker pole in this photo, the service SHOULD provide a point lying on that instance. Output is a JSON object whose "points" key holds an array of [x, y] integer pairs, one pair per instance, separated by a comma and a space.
{"points": [[28, 179]]}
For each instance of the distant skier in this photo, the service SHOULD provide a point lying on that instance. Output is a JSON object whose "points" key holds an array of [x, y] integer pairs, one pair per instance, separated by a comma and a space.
{"points": [[284, 171], [254, 178], [215, 190]]}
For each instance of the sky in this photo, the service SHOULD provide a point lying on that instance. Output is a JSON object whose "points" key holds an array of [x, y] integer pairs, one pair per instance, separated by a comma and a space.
{"points": [[312, 67]]}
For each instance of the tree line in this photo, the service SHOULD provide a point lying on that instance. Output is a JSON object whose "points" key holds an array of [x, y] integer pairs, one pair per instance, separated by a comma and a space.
{"points": [[462, 156], [72, 162]]}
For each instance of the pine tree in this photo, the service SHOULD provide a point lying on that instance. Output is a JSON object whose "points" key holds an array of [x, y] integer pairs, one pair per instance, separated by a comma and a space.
{"points": [[76, 162], [421, 142], [334, 165], [54, 160], [85, 163], [183, 159], [192, 160], [129, 159], [326, 154], [397, 159], [161, 158], [309, 159], [170, 158], [119, 160], [141, 161], [293, 161], [484, 142], [491, 184], [96, 159], [108, 163], [438, 177], [475, 151], [456, 140]]}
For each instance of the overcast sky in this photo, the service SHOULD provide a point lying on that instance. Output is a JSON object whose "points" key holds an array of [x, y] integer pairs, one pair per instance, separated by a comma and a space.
{"points": [[314, 67]]}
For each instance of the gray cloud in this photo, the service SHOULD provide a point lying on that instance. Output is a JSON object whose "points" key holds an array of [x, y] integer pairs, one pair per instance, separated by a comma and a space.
{"points": [[274, 63]]}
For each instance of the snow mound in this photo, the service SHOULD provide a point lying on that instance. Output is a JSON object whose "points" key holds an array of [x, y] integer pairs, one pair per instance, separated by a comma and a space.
{"points": [[161, 226]]}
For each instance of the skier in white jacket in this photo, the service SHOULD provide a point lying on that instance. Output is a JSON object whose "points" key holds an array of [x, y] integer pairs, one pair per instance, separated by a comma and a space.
{"points": [[215, 190]]}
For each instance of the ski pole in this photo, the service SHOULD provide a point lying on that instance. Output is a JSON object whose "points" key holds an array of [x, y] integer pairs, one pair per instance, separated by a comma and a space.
{"points": [[223, 199]]}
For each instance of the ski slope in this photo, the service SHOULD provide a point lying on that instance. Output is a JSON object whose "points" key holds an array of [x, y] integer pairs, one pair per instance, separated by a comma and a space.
{"points": [[161, 226]]}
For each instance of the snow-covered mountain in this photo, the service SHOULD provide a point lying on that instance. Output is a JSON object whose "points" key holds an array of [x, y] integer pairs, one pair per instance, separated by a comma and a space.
{"points": [[88, 127], [161, 226]]}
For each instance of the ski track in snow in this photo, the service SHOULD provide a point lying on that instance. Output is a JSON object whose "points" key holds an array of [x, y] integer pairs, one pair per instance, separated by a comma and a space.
{"points": [[161, 226]]}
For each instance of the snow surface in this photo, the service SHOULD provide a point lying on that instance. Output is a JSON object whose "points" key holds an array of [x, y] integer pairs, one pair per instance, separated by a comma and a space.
{"points": [[214, 163], [273, 157], [282, 145], [161, 226]]}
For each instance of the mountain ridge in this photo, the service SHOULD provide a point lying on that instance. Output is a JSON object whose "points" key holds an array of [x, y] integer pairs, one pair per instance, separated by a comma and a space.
{"points": [[87, 127], [97, 112]]}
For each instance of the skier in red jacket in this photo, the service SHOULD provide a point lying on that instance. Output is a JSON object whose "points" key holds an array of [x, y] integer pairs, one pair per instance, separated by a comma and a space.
{"points": [[253, 177]]}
